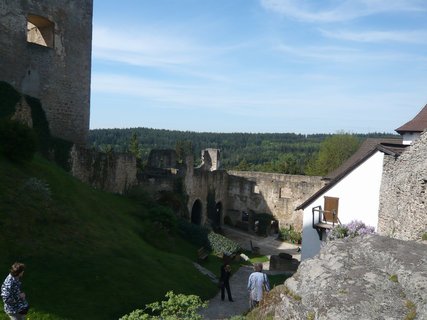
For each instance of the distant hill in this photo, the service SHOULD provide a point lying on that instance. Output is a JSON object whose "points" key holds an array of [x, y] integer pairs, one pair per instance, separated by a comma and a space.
{"points": [[269, 152]]}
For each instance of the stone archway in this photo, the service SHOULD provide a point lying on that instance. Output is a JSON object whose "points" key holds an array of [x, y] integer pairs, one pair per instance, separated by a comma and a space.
{"points": [[196, 212]]}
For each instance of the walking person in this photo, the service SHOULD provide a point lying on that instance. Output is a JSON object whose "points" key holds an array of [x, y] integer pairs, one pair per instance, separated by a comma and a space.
{"points": [[257, 283], [15, 304], [225, 281]]}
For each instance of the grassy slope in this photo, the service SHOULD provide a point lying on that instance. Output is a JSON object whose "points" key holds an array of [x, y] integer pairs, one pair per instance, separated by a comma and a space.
{"points": [[84, 249]]}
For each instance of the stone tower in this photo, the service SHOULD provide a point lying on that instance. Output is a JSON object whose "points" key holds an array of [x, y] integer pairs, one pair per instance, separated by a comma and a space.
{"points": [[45, 52]]}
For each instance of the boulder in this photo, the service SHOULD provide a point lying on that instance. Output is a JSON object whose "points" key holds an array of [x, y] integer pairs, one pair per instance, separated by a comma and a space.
{"points": [[369, 277]]}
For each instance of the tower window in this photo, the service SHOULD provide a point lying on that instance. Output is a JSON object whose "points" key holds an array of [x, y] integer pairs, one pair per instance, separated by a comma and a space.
{"points": [[40, 31]]}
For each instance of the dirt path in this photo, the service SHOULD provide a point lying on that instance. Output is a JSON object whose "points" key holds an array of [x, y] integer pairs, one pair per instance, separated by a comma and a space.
{"points": [[219, 310]]}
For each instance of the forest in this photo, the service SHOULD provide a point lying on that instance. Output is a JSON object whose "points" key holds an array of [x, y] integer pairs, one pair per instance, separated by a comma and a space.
{"points": [[288, 153]]}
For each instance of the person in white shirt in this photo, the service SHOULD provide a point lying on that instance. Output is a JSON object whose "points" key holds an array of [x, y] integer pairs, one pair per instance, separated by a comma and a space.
{"points": [[257, 283]]}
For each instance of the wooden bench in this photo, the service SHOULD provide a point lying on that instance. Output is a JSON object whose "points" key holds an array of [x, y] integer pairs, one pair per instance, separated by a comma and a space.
{"points": [[202, 253]]}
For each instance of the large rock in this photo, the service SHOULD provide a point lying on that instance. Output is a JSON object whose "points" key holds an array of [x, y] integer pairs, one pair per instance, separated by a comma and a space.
{"points": [[369, 277]]}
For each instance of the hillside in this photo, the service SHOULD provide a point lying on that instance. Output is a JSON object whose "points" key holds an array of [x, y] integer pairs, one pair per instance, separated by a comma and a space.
{"points": [[85, 250]]}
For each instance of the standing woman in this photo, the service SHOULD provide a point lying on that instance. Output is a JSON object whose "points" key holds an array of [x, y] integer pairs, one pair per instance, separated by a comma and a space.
{"points": [[257, 284], [15, 304], [225, 281]]}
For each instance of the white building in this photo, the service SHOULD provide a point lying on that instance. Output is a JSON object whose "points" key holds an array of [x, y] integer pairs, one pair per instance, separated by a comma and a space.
{"points": [[353, 190]]}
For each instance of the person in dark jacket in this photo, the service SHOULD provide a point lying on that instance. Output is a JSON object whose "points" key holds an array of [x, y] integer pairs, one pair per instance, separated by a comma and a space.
{"points": [[225, 281], [15, 304]]}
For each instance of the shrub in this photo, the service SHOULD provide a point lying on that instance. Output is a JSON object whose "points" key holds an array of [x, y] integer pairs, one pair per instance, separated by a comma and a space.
{"points": [[177, 307], [222, 245], [37, 187], [284, 234], [264, 222], [353, 229], [227, 221], [17, 141], [195, 234], [163, 217], [295, 236], [424, 236], [290, 234]]}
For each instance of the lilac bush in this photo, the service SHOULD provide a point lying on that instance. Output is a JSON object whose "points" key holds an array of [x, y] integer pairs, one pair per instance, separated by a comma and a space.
{"points": [[353, 229]]}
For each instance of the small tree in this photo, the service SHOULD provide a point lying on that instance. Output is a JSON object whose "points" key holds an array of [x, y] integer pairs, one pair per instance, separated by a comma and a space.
{"points": [[134, 146]]}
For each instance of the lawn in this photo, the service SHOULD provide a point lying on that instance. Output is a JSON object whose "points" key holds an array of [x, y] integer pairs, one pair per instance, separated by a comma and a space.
{"points": [[85, 250]]}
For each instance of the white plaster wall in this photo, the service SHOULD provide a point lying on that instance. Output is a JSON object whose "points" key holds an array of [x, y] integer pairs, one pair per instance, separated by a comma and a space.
{"points": [[358, 195]]}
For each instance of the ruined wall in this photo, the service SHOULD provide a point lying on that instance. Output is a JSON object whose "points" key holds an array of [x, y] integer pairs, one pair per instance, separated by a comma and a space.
{"points": [[277, 194], [210, 187], [106, 171], [402, 212], [58, 73]]}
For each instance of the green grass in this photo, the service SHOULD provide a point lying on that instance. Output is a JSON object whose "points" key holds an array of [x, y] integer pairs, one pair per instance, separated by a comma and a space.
{"points": [[85, 250]]}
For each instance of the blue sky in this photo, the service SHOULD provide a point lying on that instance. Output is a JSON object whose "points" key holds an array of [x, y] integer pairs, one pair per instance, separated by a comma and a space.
{"points": [[303, 66]]}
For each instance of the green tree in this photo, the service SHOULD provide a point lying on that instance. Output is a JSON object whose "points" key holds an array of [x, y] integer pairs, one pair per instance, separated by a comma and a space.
{"points": [[183, 149], [332, 153], [134, 146]]}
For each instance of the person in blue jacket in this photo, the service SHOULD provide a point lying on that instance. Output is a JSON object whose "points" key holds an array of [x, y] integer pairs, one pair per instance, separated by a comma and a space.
{"points": [[15, 303]]}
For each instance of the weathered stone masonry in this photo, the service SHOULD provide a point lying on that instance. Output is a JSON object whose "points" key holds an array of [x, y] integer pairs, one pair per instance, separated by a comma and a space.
{"points": [[45, 50], [276, 194], [403, 198]]}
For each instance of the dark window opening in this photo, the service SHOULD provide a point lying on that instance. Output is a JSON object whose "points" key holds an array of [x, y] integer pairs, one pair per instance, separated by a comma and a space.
{"points": [[40, 31]]}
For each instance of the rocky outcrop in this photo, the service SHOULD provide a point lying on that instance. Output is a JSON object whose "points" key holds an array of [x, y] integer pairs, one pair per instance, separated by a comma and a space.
{"points": [[370, 277]]}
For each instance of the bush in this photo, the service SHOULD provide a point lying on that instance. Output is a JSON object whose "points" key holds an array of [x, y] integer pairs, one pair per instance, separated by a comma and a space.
{"points": [[353, 229], [424, 236], [195, 234], [222, 245], [295, 236], [264, 222], [17, 141], [163, 217], [227, 221], [177, 307], [290, 234]]}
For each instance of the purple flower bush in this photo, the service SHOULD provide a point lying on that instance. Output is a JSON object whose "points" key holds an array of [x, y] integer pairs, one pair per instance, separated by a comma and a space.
{"points": [[353, 229]]}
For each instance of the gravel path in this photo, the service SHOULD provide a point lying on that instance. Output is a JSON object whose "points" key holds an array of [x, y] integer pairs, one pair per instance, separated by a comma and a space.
{"points": [[219, 310]]}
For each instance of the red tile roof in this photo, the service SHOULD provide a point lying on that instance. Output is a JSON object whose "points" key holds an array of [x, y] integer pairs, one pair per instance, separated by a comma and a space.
{"points": [[418, 124]]}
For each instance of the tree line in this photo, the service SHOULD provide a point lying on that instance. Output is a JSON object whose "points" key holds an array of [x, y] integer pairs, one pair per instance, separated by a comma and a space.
{"points": [[288, 153]]}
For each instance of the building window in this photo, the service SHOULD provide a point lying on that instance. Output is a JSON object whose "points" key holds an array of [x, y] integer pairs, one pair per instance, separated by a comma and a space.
{"points": [[40, 31]]}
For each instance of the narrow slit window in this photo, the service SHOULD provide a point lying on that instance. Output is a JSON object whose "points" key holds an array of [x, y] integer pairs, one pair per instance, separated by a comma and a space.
{"points": [[40, 31]]}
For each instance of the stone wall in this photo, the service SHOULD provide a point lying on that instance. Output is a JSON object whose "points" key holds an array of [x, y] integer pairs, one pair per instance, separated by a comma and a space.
{"points": [[276, 194], [58, 74], [370, 277], [210, 188], [402, 212], [106, 171]]}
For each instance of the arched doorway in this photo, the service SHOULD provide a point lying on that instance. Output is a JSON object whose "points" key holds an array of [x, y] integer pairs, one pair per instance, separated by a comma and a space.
{"points": [[218, 214], [196, 212]]}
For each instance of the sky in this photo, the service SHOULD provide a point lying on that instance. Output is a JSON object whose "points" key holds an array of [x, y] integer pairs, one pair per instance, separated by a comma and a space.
{"points": [[302, 66]]}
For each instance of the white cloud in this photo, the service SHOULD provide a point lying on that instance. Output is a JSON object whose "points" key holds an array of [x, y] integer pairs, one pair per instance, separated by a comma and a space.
{"points": [[343, 10], [347, 55], [418, 36]]}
